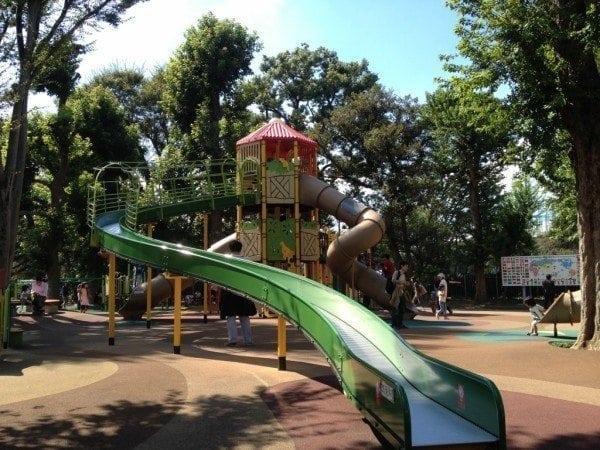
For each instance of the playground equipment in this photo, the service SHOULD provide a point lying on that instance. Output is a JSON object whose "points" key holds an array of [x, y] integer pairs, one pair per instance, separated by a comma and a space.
{"points": [[401, 393], [162, 289], [566, 308]]}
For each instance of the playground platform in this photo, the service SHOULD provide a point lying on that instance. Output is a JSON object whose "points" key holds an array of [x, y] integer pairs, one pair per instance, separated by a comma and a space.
{"points": [[67, 388]]}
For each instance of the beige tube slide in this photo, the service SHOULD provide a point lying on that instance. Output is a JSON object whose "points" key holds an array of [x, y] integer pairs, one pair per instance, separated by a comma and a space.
{"points": [[162, 289], [366, 230]]}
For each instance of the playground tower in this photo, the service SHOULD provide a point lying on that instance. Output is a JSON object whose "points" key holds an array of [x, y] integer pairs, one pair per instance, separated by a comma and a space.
{"points": [[280, 231]]}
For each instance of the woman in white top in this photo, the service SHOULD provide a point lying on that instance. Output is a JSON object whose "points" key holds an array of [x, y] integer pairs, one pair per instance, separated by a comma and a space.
{"points": [[84, 297]]}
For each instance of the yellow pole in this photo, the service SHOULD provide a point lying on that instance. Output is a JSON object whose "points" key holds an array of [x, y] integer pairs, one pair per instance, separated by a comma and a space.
{"points": [[149, 286], [297, 208], [112, 264], [281, 343], [263, 202], [177, 317], [206, 290]]}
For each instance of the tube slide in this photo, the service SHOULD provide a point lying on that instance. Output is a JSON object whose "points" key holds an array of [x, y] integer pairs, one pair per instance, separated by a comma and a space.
{"points": [[162, 289], [366, 230]]}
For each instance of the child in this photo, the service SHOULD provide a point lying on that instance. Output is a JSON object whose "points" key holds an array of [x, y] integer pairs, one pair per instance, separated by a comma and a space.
{"points": [[537, 312], [442, 297]]}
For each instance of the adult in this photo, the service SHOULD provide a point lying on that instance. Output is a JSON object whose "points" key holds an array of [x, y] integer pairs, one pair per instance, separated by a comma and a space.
{"points": [[549, 289], [387, 266], [64, 295], [233, 305], [83, 293], [397, 300], [39, 289]]}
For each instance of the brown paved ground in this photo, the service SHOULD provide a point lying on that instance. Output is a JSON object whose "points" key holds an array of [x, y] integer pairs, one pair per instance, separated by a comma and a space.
{"points": [[66, 388]]}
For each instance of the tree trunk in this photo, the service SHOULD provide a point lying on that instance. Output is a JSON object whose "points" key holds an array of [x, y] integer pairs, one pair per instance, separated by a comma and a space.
{"points": [[11, 183], [63, 138], [587, 167], [478, 251]]}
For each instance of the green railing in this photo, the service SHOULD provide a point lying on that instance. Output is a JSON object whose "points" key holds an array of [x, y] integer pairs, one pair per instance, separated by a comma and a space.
{"points": [[135, 187]]}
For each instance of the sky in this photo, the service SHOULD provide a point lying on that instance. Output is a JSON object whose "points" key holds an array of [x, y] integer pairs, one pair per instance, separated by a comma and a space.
{"points": [[401, 39]]}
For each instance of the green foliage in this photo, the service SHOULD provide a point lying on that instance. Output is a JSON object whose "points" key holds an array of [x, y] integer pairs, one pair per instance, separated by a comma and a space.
{"points": [[516, 222], [303, 86], [203, 79], [98, 117]]}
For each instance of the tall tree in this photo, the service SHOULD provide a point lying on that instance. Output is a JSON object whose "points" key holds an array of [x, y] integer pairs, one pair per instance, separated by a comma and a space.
{"points": [[34, 32], [470, 132], [203, 76], [373, 144], [547, 53], [303, 86], [203, 80]]}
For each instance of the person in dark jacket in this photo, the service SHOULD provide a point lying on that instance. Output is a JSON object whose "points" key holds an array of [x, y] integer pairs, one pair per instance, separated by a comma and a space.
{"points": [[549, 289], [233, 305]]}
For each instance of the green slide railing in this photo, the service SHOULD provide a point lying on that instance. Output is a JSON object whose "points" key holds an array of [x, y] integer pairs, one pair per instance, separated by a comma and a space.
{"points": [[401, 392]]}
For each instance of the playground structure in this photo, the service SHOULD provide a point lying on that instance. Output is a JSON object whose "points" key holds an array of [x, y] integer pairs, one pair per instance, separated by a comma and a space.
{"points": [[399, 391], [566, 308]]}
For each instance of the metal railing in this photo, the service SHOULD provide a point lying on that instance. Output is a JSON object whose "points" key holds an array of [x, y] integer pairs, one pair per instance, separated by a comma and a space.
{"points": [[134, 187]]}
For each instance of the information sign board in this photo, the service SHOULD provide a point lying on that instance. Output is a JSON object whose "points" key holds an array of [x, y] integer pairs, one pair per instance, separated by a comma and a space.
{"points": [[532, 270]]}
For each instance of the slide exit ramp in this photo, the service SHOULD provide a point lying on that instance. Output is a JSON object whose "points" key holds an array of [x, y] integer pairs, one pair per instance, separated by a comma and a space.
{"points": [[409, 399]]}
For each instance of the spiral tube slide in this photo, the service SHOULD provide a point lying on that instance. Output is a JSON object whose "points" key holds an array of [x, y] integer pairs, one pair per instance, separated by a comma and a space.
{"points": [[366, 230]]}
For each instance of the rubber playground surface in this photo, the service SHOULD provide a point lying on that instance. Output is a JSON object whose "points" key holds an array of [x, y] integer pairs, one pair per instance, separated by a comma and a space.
{"points": [[67, 388]]}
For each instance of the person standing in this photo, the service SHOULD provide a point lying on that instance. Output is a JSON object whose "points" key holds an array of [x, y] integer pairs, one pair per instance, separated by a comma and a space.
{"points": [[64, 295], [39, 290], [25, 297], [387, 267], [233, 305], [397, 301], [83, 293], [549, 289], [442, 297]]}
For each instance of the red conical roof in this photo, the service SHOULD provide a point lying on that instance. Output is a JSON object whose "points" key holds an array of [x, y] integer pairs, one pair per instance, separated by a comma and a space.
{"points": [[276, 130]]}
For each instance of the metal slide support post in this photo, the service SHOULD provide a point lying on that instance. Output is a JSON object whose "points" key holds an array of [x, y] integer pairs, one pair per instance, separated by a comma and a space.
{"points": [[112, 264], [281, 343], [149, 286], [206, 289], [177, 317], [298, 254]]}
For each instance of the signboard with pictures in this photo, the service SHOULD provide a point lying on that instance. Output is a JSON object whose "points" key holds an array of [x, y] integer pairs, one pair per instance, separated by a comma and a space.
{"points": [[532, 270]]}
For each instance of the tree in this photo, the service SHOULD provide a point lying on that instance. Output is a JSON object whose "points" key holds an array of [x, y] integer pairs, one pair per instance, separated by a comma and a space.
{"points": [[469, 129], [373, 143], [303, 86], [517, 220], [32, 33], [203, 83], [546, 53]]}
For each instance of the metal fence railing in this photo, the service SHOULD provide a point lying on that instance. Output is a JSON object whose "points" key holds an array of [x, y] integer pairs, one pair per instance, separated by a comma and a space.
{"points": [[129, 187]]}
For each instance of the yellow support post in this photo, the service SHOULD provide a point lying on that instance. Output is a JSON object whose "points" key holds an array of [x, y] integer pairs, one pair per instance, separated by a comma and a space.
{"points": [[149, 286], [281, 343], [298, 254], [263, 202], [206, 289], [112, 264], [176, 313]]}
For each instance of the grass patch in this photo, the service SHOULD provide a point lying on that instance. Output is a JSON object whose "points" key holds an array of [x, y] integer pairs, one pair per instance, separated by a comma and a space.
{"points": [[562, 344]]}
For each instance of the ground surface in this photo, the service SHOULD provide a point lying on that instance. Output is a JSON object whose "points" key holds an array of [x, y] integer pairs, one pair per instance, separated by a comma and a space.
{"points": [[66, 388]]}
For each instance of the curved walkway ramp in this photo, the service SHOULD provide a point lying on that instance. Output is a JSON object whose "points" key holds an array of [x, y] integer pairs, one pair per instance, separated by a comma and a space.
{"points": [[400, 392]]}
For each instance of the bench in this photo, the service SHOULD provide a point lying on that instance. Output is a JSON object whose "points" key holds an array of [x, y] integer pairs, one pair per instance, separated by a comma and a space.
{"points": [[51, 306]]}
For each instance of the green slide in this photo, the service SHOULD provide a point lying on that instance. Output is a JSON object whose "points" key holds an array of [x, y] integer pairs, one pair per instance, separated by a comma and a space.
{"points": [[409, 399]]}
